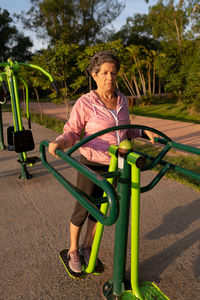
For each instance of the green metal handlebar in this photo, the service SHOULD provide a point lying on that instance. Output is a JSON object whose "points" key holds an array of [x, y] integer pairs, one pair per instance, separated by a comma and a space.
{"points": [[179, 146], [38, 68], [82, 198], [45, 73], [166, 166], [154, 161], [115, 128], [165, 140], [5, 64]]}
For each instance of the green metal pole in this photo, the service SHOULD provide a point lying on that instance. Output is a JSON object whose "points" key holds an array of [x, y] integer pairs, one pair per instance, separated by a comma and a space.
{"points": [[19, 117], [135, 224], [16, 114], [121, 228], [2, 146], [104, 207], [13, 103], [27, 96]]}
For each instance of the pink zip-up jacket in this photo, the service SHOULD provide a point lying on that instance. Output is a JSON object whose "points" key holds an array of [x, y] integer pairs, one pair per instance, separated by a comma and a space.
{"points": [[90, 113]]}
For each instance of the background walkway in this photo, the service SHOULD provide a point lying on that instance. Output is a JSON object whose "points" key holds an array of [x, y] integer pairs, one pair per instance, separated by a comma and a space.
{"points": [[180, 132]]}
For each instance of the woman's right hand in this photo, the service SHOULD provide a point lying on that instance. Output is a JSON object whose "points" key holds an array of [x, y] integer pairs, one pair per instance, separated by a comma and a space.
{"points": [[59, 144]]}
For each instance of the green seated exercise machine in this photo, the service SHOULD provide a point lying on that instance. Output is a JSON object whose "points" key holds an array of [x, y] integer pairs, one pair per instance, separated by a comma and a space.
{"points": [[126, 165], [19, 139]]}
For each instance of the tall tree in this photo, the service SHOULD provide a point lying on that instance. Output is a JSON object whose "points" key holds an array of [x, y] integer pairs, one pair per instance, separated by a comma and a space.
{"points": [[135, 53], [169, 21], [194, 14], [137, 31], [60, 61], [174, 23], [12, 43], [191, 70], [73, 21]]}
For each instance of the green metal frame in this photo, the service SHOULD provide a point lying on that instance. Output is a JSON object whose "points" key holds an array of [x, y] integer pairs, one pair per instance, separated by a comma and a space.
{"points": [[104, 208], [82, 198], [126, 167], [2, 145], [12, 74]]}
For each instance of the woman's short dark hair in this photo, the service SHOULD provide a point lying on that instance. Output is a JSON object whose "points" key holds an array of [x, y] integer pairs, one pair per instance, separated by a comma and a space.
{"points": [[103, 57]]}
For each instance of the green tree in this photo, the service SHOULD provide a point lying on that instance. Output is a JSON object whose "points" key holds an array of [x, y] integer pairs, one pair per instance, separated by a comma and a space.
{"points": [[60, 61], [12, 43], [85, 56], [191, 70], [175, 23], [169, 21], [137, 31], [73, 21], [138, 60]]}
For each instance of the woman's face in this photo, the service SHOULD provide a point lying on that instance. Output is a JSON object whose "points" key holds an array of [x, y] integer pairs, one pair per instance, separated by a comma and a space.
{"points": [[106, 77]]}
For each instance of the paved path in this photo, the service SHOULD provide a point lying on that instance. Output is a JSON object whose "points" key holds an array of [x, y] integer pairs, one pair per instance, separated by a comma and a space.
{"points": [[34, 220], [181, 132]]}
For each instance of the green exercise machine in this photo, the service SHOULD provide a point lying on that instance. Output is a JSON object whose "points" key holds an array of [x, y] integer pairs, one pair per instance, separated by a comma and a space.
{"points": [[126, 166], [19, 139]]}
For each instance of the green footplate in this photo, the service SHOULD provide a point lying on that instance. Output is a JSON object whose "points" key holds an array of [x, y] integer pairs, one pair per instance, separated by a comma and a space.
{"points": [[148, 289], [65, 260], [99, 269]]}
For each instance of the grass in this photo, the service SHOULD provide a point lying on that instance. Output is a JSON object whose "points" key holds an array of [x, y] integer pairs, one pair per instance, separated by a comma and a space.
{"points": [[46, 121], [168, 109], [6, 108]]}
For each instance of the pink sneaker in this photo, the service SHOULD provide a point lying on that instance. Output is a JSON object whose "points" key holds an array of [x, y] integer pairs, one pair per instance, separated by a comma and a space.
{"points": [[75, 261], [85, 252]]}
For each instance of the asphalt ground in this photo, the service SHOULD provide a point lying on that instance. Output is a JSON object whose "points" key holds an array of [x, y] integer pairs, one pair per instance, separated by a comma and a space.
{"points": [[34, 220]]}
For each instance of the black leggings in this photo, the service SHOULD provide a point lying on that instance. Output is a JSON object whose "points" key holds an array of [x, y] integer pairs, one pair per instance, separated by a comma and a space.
{"points": [[80, 214]]}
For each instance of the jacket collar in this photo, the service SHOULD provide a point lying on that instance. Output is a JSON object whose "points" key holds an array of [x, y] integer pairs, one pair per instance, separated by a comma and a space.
{"points": [[96, 101]]}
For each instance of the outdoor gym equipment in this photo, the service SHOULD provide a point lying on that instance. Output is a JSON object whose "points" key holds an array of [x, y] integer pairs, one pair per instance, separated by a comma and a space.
{"points": [[19, 139], [125, 165], [3, 100]]}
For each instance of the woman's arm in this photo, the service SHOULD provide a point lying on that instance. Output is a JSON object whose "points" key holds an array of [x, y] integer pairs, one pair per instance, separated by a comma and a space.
{"points": [[72, 128]]}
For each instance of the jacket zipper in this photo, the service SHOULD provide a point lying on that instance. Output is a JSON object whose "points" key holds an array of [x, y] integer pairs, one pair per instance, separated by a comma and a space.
{"points": [[115, 117], [117, 123]]}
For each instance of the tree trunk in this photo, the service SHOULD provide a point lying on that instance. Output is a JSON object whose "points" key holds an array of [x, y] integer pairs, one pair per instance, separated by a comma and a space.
{"points": [[136, 87], [141, 76], [143, 85], [40, 106], [149, 79], [159, 87], [179, 97], [126, 84], [129, 84], [154, 78], [67, 108]]}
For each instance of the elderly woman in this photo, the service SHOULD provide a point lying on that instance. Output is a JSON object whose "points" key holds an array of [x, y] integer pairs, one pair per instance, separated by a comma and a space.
{"points": [[97, 110]]}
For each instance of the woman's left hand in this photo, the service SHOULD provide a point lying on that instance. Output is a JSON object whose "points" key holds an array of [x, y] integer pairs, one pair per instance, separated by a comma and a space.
{"points": [[151, 135]]}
